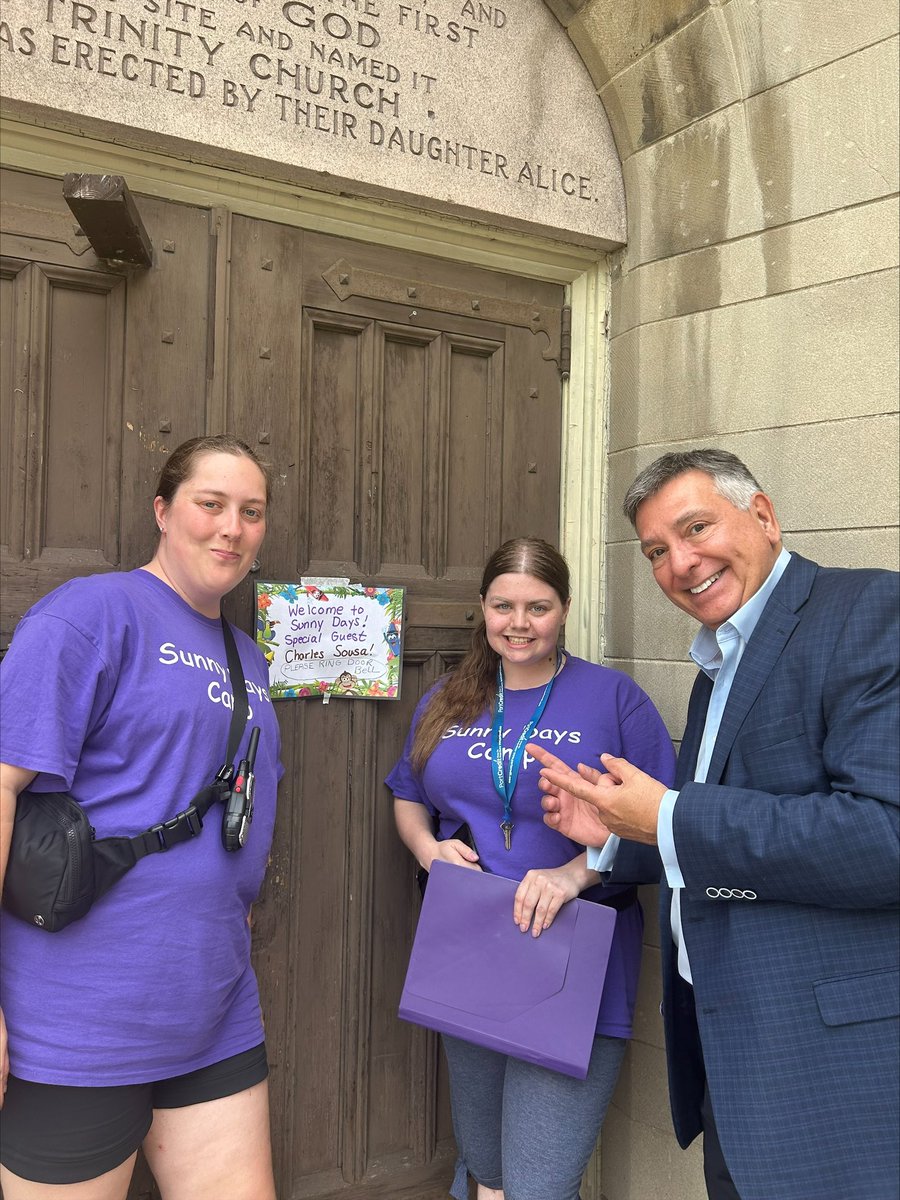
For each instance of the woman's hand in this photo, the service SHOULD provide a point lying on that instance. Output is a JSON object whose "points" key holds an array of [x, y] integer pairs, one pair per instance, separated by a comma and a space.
{"points": [[456, 852], [416, 833], [543, 892]]}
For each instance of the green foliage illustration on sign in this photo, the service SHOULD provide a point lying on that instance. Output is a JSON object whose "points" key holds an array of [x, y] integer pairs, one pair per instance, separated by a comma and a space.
{"points": [[330, 638]]}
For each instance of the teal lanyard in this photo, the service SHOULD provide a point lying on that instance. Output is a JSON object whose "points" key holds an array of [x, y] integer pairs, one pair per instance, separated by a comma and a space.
{"points": [[505, 782]]}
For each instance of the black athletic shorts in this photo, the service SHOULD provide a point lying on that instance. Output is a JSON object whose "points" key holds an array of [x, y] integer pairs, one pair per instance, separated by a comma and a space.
{"points": [[57, 1134]]}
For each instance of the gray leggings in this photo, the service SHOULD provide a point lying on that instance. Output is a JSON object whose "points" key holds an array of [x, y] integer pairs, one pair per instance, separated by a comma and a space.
{"points": [[523, 1128]]}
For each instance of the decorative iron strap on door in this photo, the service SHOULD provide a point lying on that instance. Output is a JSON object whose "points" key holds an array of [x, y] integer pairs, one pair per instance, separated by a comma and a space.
{"points": [[346, 281]]}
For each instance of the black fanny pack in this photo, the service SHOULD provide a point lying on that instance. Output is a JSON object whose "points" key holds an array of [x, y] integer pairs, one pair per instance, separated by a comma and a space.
{"points": [[57, 867]]}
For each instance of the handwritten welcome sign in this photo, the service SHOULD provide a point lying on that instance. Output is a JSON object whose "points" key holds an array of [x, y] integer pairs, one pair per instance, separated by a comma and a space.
{"points": [[330, 638]]}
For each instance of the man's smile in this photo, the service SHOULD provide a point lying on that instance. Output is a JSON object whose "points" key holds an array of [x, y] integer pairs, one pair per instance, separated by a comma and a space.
{"points": [[701, 587]]}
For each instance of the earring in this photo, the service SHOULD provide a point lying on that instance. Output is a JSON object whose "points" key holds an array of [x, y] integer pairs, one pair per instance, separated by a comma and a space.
{"points": [[255, 566]]}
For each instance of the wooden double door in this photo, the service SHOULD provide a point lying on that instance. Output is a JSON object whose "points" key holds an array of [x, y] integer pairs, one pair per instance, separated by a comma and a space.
{"points": [[411, 410]]}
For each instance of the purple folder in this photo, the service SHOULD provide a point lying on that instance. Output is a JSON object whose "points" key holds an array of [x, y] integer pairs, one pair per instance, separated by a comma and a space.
{"points": [[475, 975]]}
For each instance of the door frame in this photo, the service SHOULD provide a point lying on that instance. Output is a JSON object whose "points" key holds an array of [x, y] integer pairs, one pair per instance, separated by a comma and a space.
{"points": [[584, 273]]}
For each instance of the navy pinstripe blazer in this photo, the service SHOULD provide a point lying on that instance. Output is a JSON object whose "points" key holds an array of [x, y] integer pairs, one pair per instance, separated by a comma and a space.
{"points": [[790, 912]]}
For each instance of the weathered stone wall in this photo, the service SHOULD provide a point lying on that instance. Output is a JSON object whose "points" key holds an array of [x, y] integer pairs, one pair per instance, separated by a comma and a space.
{"points": [[755, 307]]}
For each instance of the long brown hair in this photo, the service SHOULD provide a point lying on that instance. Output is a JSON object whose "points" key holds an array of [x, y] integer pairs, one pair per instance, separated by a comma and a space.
{"points": [[470, 687]]}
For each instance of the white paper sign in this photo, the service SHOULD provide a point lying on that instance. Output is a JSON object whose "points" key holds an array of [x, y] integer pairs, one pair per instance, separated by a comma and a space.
{"points": [[329, 638]]}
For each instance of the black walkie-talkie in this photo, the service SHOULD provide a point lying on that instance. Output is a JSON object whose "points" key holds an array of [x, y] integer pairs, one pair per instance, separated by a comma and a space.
{"points": [[239, 805]]}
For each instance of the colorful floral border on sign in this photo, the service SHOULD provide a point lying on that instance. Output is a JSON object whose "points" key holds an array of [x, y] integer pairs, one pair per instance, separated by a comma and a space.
{"points": [[330, 638]]}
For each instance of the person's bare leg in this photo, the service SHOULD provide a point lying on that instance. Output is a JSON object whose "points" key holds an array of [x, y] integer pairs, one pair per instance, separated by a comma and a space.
{"points": [[113, 1185], [486, 1193], [215, 1149]]}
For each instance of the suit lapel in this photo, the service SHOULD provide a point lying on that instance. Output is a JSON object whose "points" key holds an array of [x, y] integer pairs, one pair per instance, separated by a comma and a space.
{"points": [[693, 730], [776, 624]]}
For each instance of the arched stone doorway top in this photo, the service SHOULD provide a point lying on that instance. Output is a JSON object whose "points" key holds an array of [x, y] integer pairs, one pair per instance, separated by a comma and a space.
{"points": [[660, 65], [657, 67], [733, 117]]}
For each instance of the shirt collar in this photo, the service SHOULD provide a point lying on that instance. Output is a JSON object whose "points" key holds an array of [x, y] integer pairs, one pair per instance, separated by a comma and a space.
{"points": [[706, 647]]}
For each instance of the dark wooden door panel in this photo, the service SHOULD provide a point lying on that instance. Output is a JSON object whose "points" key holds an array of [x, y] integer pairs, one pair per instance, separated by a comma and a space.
{"points": [[404, 1087], [62, 410], [108, 372], [259, 299], [410, 467], [474, 451], [168, 359], [81, 321], [411, 410], [531, 445], [317, 979], [336, 416], [15, 326], [405, 454], [37, 225]]}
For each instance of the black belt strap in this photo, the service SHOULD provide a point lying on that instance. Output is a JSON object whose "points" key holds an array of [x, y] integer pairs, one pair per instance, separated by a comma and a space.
{"points": [[188, 823], [241, 705]]}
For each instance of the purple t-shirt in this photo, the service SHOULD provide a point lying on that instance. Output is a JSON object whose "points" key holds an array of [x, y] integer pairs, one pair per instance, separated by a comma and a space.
{"points": [[117, 691], [592, 710]]}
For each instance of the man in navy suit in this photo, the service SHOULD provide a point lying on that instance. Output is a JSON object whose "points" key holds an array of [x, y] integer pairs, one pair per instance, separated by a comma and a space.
{"points": [[781, 979]]}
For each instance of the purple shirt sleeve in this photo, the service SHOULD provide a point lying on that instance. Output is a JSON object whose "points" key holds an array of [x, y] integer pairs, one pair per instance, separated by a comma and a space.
{"points": [[49, 726]]}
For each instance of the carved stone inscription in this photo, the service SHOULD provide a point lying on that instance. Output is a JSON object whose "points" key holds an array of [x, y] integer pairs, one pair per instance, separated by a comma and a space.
{"points": [[452, 102]]}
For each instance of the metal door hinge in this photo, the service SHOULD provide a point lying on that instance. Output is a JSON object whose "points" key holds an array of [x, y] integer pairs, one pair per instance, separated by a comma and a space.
{"points": [[565, 341]]}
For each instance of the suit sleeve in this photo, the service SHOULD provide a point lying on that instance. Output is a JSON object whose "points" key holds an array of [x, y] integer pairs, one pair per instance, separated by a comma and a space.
{"points": [[807, 812]]}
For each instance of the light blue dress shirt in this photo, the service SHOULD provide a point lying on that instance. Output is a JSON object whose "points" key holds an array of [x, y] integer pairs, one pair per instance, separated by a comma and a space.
{"points": [[717, 653]]}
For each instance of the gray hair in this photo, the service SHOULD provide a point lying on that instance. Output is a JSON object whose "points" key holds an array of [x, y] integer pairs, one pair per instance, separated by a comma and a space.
{"points": [[729, 475]]}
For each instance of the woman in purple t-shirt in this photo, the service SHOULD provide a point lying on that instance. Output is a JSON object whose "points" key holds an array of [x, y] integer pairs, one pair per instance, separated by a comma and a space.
{"points": [[140, 1023], [525, 1132]]}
